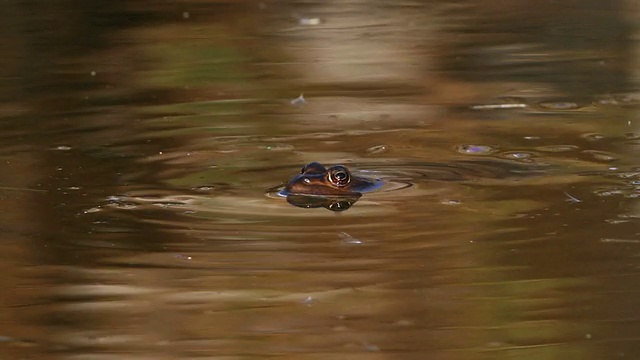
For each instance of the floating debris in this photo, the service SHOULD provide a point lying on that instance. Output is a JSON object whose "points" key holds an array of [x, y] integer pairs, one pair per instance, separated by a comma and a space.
{"points": [[309, 21], [559, 105], [299, 100], [92, 210], [572, 198], [378, 149], [308, 301], [619, 100], [593, 136], [557, 148], [600, 155], [348, 239], [623, 241], [278, 147], [503, 103], [517, 155], [470, 149], [498, 106]]}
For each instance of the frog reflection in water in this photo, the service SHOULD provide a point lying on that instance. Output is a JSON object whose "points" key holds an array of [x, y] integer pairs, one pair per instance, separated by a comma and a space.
{"points": [[334, 188]]}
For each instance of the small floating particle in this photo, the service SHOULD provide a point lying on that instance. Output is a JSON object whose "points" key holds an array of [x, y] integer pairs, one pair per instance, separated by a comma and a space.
{"points": [[520, 155], [558, 105], [606, 101], [450, 202], [62, 148], [557, 148], [309, 21], [471, 149], [299, 100], [124, 205], [624, 241], [279, 147], [203, 188], [168, 204], [503, 103], [498, 106], [616, 221], [628, 99], [600, 155], [349, 239], [592, 136], [517, 155], [632, 136], [611, 192], [378, 149], [572, 198], [307, 301]]}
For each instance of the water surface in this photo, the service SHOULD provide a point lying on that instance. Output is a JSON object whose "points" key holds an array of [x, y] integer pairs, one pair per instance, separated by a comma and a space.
{"points": [[141, 144]]}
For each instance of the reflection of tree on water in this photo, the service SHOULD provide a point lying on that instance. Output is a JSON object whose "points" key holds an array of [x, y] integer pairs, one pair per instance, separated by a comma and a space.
{"points": [[76, 77], [578, 48]]}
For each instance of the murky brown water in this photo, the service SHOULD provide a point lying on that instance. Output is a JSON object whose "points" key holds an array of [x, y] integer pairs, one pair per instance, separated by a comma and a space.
{"points": [[141, 143]]}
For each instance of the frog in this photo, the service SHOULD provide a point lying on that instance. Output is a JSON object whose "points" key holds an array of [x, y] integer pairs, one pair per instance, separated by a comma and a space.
{"points": [[335, 181]]}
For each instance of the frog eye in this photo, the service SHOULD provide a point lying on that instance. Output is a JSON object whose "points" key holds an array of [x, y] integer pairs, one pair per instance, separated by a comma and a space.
{"points": [[339, 176]]}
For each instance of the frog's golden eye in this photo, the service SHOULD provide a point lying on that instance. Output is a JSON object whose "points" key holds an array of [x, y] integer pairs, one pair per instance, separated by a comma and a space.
{"points": [[339, 176]]}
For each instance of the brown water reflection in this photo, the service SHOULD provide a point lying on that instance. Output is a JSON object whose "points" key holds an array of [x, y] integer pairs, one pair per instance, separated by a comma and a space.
{"points": [[140, 141]]}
